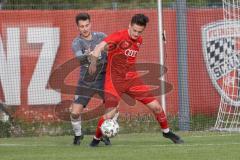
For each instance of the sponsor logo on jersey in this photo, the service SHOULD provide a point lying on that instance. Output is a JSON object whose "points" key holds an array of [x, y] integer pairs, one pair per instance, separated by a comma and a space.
{"points": [[131, 53]]}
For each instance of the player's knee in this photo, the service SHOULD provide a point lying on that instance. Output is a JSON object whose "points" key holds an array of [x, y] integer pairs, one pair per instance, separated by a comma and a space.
{"points": [[157, 109], [75, 115]]}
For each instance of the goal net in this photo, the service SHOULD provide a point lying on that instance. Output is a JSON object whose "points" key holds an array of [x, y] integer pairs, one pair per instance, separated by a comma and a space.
{"points": [[229, 109]]}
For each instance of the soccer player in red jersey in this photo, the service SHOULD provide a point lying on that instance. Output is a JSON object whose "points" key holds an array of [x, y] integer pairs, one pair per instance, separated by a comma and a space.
{"points": [[123, 47]]}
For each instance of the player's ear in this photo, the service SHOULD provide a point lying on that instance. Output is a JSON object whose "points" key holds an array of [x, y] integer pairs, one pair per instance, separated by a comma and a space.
{"points": [[129, 26]]}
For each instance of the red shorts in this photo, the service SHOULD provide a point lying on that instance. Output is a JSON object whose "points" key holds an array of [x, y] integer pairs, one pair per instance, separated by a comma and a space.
{"points": [[134, 88]]}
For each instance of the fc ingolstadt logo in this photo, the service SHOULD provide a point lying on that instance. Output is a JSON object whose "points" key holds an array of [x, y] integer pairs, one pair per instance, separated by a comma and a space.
{"points": [[221, 48]]}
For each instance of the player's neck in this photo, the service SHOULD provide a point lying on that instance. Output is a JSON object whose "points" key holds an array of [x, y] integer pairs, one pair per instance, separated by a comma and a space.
{"points": [[89, 37]]}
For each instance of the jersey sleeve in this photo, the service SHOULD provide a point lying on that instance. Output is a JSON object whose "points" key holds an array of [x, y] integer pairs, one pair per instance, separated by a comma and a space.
{"points": [[101, 35], [113, 38], [77, 48]]}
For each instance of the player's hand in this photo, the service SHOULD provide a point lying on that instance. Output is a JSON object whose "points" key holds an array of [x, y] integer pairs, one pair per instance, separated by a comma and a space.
{"points": [[92, 68], [90, 53], [87, 51], [93, 65]]}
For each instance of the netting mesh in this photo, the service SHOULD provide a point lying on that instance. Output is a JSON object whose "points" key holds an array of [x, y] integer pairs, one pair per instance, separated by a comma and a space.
{"points": [[229, 115], [35, 42]]}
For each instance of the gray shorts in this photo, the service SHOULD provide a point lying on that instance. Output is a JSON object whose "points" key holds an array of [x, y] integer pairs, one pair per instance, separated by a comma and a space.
{"points": [[85, 91]]}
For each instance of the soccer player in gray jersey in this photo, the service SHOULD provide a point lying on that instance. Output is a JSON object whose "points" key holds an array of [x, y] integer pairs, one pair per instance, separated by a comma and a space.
{"points": [[83, 44]]}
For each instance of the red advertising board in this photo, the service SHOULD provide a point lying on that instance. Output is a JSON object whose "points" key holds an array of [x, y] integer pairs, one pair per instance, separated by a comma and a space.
{"points": [[34, 44]]}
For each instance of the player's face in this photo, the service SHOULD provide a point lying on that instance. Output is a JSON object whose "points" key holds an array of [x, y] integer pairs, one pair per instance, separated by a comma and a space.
{"points": [[84, 28], [135, 30]]}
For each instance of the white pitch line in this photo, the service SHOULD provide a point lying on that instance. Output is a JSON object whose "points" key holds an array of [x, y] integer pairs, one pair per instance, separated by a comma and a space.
{"points": [[180, 145], [214, 135], [25, 145], [123, 145]]}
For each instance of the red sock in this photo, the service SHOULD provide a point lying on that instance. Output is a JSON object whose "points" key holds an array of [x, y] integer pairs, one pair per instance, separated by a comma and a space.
{"points": [[162, 120], [98, 133]]}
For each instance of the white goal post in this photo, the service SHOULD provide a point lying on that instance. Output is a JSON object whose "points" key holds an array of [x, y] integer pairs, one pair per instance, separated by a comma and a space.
{"points": [[161, 50]]}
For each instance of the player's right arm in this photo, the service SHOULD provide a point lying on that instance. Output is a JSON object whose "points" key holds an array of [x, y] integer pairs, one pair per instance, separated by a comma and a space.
{"points": [[77, 48], [94, 56]]}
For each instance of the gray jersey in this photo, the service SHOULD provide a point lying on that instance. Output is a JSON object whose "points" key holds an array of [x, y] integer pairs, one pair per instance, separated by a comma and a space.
{"points": [[82, 46]]}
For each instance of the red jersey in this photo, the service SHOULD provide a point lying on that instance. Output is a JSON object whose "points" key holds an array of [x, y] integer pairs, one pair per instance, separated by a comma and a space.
{"points": [[120, 73], [122, 53]]}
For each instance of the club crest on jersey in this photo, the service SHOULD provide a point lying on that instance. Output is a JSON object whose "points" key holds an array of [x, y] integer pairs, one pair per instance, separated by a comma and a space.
{"points": [[125, 44], [138, 44], [221, 49]]}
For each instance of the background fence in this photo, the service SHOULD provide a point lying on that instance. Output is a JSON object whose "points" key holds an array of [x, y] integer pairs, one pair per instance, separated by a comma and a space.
{"points": [[36, 40]]}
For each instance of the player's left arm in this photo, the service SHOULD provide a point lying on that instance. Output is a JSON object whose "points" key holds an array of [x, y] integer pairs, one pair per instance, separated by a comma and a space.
{"points": [[114, 38]]}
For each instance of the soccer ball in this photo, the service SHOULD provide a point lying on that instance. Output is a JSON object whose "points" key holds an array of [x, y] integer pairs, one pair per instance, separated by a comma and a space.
{"points": [[110, 128]]}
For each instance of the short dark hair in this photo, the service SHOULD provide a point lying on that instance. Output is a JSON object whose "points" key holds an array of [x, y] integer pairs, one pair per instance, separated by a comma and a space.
{"points": [[83, 17], [140, 19]]}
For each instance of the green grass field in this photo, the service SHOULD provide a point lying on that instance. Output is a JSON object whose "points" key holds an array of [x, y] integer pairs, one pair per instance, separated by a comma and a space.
{"points": [[198, 146]]}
